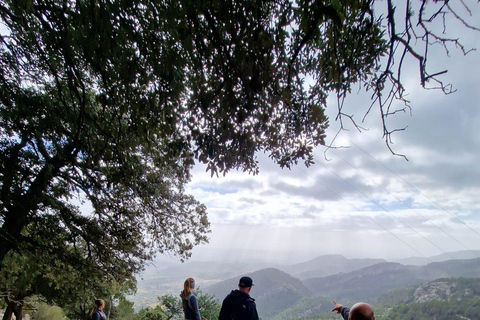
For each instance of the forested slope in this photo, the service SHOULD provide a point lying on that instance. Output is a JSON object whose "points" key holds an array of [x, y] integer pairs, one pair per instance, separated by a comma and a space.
{"points": [[274, 291]]}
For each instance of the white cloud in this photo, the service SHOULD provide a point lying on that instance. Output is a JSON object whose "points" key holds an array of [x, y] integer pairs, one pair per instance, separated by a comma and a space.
{"points": [[363, 201]]}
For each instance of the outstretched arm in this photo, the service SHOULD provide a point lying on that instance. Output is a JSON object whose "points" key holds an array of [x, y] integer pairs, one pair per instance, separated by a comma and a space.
{"points": [[344, 311], [337, 306]]}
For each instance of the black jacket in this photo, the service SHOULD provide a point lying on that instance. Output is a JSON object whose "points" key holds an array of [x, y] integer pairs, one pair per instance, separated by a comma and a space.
{"points": [[238, 305], [345, 312]]}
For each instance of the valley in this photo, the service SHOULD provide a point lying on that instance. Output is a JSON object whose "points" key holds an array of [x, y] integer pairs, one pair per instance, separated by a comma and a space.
{"points": [[303, 290]]}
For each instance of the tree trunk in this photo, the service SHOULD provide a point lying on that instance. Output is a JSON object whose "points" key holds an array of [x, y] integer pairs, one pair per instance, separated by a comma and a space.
{"points": [[18, 311], [9, 311], [5, 246], [16, 219], [109, 307], [14, 308]]}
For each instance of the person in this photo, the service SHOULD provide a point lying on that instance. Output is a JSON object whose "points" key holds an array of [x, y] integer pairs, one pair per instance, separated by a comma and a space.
{"points": [[359, 311], [238, 305], [97, 310], [189, 301]]}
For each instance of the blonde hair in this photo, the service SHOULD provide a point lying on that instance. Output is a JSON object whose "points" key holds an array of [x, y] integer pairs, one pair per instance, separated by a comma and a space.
{"points": [[97, 304], [188, 286]]}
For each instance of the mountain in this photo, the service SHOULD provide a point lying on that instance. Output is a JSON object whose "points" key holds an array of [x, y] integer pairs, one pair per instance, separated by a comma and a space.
{"points": [[441, 299], [332, 276], [273, 290], [308, 306], [364, 284], [468, 268], [439, 289], [458, 255], [370, 282], [165, 277], [328, 265]]}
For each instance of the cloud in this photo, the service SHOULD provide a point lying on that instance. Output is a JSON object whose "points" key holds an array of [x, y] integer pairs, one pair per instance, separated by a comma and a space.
{"points": [[360, 200]]}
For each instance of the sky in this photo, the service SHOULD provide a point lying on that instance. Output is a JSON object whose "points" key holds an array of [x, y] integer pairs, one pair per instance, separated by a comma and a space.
{"points": [[359, 200]]}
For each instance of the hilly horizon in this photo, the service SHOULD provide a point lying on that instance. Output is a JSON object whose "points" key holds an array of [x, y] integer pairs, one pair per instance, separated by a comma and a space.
{"points": [[273, 289], [282, 296], [370, 282], [326, 265], [457, 255], [168, 278]]}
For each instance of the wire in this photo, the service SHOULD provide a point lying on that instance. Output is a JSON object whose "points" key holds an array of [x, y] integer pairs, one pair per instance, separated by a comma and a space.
{"points": [[425, 219], [431, 200], [377, 223], [384, 209]]}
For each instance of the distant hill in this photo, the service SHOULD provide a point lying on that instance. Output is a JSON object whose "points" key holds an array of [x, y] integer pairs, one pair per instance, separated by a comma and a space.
{"points": [[206, 270], [273, 290], [328, 265], [439, 289], [167, 278], [308, 306], [458, 255], [340, 278], [370, 282], [442, 299], [468, 268], [364, 284]]}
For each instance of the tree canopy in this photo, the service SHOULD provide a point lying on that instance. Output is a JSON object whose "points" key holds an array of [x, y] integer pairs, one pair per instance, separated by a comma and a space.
{"points": [[112, 102]]}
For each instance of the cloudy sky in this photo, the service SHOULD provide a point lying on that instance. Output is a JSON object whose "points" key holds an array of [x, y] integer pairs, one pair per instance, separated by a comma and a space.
{"points": [[360, 200]]}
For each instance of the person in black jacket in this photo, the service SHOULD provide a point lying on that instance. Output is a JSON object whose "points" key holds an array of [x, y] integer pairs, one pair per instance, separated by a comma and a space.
{"points": [[359, 311], [238, 305]]}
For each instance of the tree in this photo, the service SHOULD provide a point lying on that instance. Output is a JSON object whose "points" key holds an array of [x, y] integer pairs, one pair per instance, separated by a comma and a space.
{"points": [[46, 312], [171, 306], [114, 101], [73, 285], [124, 310], [151, 314], [208, 305]]}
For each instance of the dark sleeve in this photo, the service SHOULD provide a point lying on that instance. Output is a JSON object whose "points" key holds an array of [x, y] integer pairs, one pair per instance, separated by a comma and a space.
{"points": [[344, 311], [194, 307], [253, 311], [224, 311]]}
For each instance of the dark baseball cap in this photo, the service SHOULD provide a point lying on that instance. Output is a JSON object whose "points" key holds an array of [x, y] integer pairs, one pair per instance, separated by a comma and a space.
{"points": [[245, 282]]}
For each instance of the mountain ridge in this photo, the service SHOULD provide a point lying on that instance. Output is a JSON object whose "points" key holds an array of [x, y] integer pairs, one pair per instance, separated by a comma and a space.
{"points": [[326, 265], [370, 282], [161, 279], [274, 290]]}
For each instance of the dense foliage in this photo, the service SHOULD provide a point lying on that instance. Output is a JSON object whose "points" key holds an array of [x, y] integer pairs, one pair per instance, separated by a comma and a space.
{"points": [[46, 312], [440, 310], [110, 103], [74, 285], [170, 307], [441, 289], [442, 299], [278, 297]]}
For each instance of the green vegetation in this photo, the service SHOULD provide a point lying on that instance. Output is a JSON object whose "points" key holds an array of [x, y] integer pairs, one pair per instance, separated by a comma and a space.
{"points": [[170, 307], [46, 312], [441, 289], [111, 103], [306, 308], [439, 310]]}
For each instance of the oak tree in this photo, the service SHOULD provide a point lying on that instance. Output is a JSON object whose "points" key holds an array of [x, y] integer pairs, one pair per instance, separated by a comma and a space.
{"points": [[112, 102]]}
